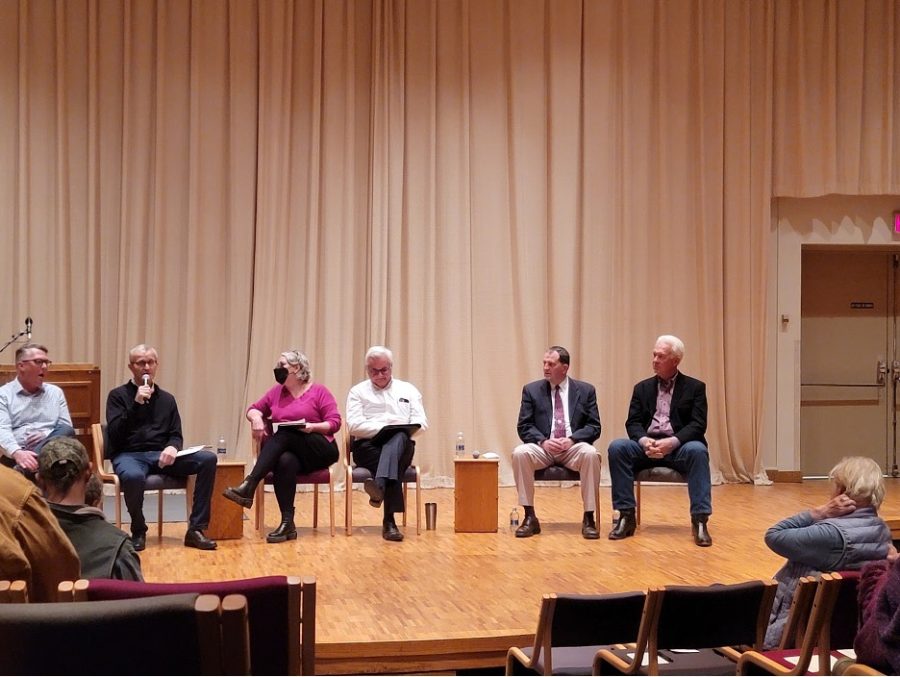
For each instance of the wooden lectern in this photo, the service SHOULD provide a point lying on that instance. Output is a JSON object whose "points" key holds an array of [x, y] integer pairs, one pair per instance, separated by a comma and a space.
{"points": [[81, 385]]}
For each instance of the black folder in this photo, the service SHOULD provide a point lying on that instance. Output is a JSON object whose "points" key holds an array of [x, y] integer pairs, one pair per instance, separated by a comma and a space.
{"points": [[387, 431]]}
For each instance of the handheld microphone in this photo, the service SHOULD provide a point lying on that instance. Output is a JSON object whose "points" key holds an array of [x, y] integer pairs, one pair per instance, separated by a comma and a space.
{"points": [[146, 378], [28, 324]]}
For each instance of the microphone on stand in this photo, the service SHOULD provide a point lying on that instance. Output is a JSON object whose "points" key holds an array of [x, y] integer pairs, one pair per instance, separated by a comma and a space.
{"points": [[28, 324]]}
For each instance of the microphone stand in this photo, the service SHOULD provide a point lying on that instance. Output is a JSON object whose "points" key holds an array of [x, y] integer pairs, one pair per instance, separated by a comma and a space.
{"points": [[12, 340]]}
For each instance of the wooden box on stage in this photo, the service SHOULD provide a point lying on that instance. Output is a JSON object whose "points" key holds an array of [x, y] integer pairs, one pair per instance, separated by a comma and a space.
{"points": [[81, 385]]}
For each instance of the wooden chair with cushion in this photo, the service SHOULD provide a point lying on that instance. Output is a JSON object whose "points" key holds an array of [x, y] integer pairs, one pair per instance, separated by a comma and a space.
{"points": [[658, 473], [317, 479], [13, 592], [205, 636], [357, 475], [571, 628], [718, 620], [815, 644], [798, 615], [158, 483], [281, 609]]}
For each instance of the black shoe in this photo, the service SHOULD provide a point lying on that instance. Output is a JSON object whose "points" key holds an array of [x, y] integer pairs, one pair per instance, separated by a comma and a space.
{"points": [[376, 493], [390, 532], [286, 531], [589, 529], [138, 542], [625, 526], [242, 494], [194, 538], [530, 527], [701, 531]]}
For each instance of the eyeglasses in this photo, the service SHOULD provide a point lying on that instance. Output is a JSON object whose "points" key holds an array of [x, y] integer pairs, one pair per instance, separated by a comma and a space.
{"points": [[144, 363], [375, 372], [39, 362]]}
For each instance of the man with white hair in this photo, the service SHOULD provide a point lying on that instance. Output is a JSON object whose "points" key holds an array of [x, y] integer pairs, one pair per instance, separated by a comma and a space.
{"points": [[372, 405], [666, 426]]}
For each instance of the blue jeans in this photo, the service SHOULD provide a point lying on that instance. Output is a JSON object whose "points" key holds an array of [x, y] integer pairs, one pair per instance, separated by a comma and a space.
{"points": [[626, 458], [133, 467]]}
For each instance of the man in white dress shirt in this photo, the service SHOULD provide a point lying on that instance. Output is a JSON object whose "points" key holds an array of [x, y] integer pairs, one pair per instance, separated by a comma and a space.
{"points": [[379, 401], [31, 412]]}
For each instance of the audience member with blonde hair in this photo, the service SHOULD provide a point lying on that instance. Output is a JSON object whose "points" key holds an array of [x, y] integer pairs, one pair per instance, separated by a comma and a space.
{"points": [[843, 533]]}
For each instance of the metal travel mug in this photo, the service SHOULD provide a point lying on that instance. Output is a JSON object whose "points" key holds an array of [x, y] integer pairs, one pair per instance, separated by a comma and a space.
{"points": [[430, 516]]}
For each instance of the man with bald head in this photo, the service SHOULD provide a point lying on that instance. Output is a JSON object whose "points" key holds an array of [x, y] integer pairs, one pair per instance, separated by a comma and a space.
{"points": [[666, 426]]}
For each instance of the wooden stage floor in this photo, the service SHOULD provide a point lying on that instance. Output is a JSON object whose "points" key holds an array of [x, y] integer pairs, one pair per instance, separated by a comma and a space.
{"points": [[442, 601]]}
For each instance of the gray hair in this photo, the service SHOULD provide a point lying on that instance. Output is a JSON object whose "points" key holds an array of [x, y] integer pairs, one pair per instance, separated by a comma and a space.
{"points": [[674, 343], [296, 358], [860, 478], [141, 348], [379, 351], [21, 351]]}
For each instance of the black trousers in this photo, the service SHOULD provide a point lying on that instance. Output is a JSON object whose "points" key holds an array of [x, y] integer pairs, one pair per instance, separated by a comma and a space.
{"points": [[286, 454], [389, 462]]}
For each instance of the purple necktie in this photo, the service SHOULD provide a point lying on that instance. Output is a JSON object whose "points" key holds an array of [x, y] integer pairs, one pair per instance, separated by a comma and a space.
{"points": [[559, 423]]}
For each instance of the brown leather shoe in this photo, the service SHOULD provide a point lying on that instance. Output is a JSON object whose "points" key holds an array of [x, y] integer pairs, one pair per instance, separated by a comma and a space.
{"points": [[701, 532], [530, 527], [625, 526], [375, 492], [589, 529]]}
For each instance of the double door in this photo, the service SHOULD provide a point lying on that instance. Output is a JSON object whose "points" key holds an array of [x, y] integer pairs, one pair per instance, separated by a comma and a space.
{"points": [[849, 358]]}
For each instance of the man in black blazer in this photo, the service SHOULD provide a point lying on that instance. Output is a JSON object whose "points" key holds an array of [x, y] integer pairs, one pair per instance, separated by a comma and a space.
{"points": [[666, 427], [558, 422]]}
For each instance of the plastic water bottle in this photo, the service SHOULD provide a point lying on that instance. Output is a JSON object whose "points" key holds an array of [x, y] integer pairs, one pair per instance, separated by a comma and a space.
{"points": [[460, 445], [221, 449], [513, 520]]}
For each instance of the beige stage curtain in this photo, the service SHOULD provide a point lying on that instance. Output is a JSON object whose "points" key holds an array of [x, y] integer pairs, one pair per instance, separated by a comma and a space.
{"points": [[837, 103], [466, 182]]}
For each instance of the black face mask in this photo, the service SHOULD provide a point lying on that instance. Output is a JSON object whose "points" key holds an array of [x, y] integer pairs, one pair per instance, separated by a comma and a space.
{"points": [[281, 374]]}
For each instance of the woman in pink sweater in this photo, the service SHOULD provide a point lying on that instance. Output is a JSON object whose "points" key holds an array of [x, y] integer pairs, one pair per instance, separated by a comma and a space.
{"points": [[304, 446]]}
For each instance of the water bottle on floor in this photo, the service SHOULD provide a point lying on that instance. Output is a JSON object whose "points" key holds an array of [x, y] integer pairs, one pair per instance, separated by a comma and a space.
{"points": [[513, 520]]}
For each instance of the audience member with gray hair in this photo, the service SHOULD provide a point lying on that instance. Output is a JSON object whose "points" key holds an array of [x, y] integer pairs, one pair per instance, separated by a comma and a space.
{"points": [[304, 446]]}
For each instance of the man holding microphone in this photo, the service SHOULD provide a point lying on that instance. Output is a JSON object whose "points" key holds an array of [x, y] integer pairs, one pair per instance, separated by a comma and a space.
{"points": [[144, 436]]}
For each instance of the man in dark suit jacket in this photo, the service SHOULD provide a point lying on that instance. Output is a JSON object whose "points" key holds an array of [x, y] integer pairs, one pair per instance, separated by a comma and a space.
{"points": [[666, 427], [558, 422]]}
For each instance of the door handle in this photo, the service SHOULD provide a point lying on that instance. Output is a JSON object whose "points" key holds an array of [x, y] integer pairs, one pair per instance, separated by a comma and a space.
{"points": [[881, 372]]}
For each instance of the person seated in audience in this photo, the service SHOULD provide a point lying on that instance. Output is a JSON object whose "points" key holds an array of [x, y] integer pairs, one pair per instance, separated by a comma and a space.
{"points": [[303, 447], [33, 547], [31, 412], [877, 642], [93, 492], [104, 550], [843, 533], [144, 430]]}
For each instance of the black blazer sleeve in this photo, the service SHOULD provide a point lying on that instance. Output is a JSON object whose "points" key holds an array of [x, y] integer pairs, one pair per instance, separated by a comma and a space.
{"points": [[530, 412], [584, 416]]}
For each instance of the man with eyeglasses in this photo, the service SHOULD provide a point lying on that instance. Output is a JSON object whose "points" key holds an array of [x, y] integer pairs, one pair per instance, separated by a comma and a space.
{"points": [[380, 401], [31, 412], [144, 436]]}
